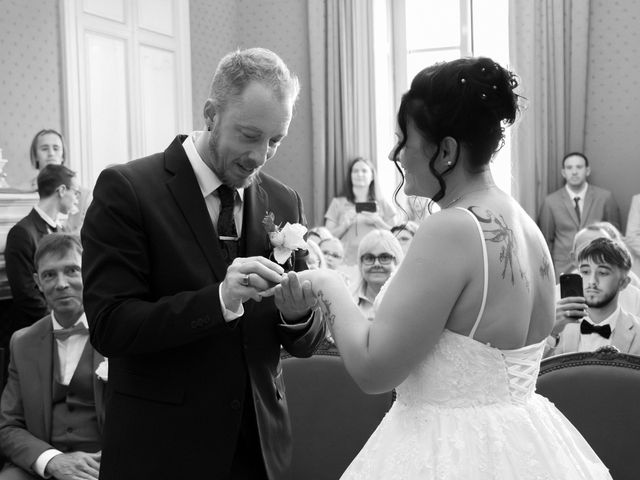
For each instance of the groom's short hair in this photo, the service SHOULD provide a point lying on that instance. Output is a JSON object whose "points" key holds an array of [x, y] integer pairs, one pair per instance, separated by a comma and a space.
{"points": [[238, 69]]}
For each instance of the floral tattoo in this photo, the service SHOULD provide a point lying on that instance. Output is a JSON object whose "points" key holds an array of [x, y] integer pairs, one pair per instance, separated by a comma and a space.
{"points": [[503, 235], [545, 268], [325, 307]]}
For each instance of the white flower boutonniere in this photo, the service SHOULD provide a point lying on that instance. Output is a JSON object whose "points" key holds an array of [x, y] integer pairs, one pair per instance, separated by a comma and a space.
{"points": [[102, 372], [284, 240]]}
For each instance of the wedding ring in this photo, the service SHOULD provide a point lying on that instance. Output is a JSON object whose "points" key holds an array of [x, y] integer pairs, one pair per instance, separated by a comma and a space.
{"points": [[245, 281]]}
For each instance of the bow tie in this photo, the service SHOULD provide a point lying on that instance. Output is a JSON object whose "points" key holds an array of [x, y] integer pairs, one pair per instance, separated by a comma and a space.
{"points": [[602, 330], [77, 329]]}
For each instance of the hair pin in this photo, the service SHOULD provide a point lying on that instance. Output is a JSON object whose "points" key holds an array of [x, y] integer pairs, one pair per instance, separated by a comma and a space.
{"points": [[483, 96], [495, 87], [463, 80]]}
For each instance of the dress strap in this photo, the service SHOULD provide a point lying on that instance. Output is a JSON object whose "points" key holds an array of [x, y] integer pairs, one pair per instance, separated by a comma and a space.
{"points": [[485, 266]]}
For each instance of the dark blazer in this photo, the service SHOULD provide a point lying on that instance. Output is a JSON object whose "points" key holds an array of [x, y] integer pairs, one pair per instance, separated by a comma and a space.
{"points": [[28, 304], [26, 406], [559, 222], [178, 372]]}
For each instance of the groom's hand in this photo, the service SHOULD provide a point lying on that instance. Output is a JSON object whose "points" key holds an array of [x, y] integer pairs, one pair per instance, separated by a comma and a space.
{"points": [[294, 298], [246, 278]]}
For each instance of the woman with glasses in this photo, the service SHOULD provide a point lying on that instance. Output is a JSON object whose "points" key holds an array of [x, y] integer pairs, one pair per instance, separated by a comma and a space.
{"points": [[460, 328], [379, 254]]}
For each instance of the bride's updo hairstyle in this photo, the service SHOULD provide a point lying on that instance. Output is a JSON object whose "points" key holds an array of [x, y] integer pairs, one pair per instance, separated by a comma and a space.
{"points": [[467, 99]]}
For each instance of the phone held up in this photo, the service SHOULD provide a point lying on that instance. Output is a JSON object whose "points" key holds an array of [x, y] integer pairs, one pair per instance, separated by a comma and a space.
{"points": [[571, 285], [366, 207]]}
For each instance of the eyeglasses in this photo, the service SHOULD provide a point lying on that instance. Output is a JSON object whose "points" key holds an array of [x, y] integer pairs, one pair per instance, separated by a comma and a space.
{"points": [[337, 256], [383, 258]]}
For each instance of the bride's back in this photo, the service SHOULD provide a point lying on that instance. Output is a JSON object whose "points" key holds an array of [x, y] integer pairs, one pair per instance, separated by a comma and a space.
{"points": [[520, 280]]}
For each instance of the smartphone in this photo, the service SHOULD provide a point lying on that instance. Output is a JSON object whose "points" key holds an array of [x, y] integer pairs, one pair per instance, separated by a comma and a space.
{"points": [[571, 285], [366, 207]]}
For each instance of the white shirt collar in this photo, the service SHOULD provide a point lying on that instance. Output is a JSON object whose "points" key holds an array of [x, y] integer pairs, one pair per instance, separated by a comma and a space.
{"points": [[57, 326], [611, 320], [52, 223], [207, 179], [580, 194]]}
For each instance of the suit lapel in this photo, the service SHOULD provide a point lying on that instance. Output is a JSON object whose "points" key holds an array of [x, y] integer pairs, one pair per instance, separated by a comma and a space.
{"points": [[186, 192], [43, 352], [588, 203], [38, 222], [570, 206], [624, 334]]}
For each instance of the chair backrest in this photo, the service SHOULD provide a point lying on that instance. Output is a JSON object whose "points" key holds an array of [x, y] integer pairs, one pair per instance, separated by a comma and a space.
{"points": [[331, 418], [599, 392]]}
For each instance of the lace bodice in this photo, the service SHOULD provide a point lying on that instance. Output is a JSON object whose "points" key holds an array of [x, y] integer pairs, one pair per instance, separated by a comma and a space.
{"points": [[462, 372]]}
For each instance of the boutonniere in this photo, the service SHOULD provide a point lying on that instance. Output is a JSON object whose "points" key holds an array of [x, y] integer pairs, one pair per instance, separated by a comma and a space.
{"points": [[284, 240], [102, 372]]}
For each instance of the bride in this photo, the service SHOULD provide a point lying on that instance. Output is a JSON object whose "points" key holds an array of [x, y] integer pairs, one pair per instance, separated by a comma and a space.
{"points": [[459, 330]]}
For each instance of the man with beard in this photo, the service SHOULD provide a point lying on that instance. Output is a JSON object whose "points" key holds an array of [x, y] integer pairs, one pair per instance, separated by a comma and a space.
{"points": [[604, 265], [175, 265]]}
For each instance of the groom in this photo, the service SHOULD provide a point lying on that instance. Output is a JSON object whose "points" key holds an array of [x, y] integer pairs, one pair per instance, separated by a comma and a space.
{"points": [[175, 255]]}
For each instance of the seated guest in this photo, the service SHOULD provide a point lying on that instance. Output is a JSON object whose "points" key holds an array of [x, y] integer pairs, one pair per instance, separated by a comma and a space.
{"points": [[343, 219], [379, 255], [58, 188], [315, 259], [629, 298], [604, 265], [317, 234], [405, 233], [333, 252], [51, 411], [632, 238]]}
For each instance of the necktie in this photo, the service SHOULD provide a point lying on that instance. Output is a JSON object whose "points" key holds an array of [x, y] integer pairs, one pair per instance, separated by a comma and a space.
{"points": [[227, 233], [588, 328], [77, 329], [576, 200]]}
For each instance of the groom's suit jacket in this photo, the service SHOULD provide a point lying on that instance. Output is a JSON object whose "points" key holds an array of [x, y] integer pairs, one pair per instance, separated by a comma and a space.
{"points": [[559, 223], [625, 337], [26, 407], [178, 372]]}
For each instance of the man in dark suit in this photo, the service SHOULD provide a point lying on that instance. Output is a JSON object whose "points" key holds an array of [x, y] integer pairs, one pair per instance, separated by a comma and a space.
{"points": [[573, 206], [175, 266], [58, 189], [51, 412]]}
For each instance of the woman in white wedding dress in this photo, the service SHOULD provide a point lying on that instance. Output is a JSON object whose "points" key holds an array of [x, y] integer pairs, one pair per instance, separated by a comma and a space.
{"points": [[459, 329]]}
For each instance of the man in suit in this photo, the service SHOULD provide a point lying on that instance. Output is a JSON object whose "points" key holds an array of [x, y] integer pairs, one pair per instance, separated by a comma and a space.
{"points": [[175, 266], [604, 265], [573, 206], [58, 189], [51, 412]]}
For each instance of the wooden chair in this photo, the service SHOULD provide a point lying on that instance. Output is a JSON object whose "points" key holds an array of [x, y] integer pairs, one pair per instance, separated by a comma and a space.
{"points": [[331, 417], [599, 392]]}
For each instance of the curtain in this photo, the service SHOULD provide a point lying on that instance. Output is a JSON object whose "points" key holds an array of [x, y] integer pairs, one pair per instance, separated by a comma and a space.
{"points": [[549, 47], [342, 92]]}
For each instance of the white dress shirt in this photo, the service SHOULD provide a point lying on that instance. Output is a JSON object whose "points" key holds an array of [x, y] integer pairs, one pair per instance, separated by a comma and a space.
{"points": [[580, 195], [51, 223], [209, 182], [593, 341], [69, 353]]}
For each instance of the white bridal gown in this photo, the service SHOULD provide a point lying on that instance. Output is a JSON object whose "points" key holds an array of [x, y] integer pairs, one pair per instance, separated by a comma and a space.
{"points": [[470, 412]]}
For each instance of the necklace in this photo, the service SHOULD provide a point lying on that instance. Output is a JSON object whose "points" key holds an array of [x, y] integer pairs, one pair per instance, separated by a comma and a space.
{"points": [[460, 197]]}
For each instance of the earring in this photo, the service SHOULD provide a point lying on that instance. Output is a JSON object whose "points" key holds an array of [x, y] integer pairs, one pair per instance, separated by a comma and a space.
{"points": [[449, 163]]}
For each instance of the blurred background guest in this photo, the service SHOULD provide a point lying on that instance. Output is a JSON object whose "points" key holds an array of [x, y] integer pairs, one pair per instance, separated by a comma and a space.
{"points": [[632, 238], [333, 252], [315, 259], [379, 255], [405, 232], [317, 234], [342, 218], [48, 148]]}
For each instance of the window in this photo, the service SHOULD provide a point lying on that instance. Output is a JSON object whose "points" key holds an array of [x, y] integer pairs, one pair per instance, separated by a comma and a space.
{"points": [[421, 33], [127, 79]]}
